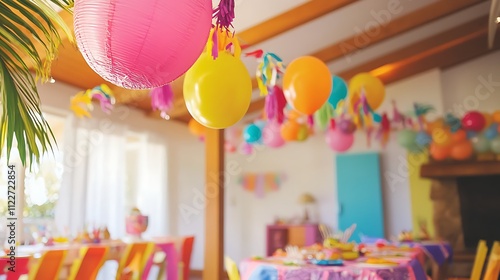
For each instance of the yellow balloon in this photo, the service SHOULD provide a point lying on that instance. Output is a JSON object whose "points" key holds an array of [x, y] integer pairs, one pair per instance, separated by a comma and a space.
{"points": [[373, 87], [432, 125], [217, 92], [442, 137]]}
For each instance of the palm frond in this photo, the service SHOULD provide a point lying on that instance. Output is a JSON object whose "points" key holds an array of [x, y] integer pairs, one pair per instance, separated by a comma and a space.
{"points": [[29, 40]]}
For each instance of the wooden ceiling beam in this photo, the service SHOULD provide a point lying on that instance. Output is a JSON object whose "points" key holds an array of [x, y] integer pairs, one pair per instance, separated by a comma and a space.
{"points": [[443, 56], [436, 43], [395, 27], [288, 20]]}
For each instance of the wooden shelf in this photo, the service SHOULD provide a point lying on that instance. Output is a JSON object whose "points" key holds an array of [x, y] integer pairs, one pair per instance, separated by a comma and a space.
{"points": [[437, 170]]}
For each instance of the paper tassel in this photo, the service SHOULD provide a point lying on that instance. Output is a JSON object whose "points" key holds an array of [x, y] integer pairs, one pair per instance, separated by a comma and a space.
{"points": [[223, 40], [162, 98], [275, 104], [224, 14], [268, 71], [323, 116], [80, 104]]}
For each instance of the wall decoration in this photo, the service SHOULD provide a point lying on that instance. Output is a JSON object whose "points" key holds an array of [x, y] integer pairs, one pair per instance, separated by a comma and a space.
{"points": [[261, 183]]}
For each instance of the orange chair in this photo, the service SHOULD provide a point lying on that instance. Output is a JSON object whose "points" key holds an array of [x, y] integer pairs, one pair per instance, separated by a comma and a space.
{"points": [[185, 262], [134, 260], [48, 266], [87, 265], [493, 267]]}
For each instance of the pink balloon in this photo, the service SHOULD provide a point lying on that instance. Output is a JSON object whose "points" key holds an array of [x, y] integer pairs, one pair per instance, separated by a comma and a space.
{"points": [[339, 141], [272, 135], [474, 121], [141, 44], [246, 148]]}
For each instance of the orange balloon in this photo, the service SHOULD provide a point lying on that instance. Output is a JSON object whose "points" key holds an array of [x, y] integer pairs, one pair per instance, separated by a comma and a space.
{"points": [[496, 117], [458, 136], [290, 130], [462, 150], [196, 128], [441, 137], [307, 84], [294, 115], [438, 152]]}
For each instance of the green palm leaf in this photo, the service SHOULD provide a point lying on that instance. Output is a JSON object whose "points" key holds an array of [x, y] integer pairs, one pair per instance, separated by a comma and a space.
{"points": [[29, 40]]}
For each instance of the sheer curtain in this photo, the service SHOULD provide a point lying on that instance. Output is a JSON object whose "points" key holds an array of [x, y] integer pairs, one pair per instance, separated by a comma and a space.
{"points": [[108, 171], [93, 183], [147, 160]]}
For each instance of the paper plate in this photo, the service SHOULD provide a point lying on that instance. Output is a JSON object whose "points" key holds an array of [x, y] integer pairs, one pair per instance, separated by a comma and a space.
{"points": [[327, 262]]}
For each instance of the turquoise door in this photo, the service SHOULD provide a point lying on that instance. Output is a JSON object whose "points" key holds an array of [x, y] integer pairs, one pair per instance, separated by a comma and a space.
{"points": [[360, 194]]}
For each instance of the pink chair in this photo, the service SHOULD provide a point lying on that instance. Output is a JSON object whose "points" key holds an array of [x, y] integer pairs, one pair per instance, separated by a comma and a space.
{"points": [[21, 267], [178, 262]]}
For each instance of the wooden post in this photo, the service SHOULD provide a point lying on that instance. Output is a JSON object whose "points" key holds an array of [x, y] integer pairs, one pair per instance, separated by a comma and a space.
{"points": [[214, 212]]}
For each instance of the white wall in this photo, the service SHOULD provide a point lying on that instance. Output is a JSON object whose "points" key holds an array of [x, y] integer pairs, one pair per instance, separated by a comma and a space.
{"points": [[474, 85]]}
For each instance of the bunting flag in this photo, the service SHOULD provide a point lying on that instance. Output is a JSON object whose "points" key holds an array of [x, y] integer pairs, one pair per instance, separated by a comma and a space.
{"points": [[261, 183]]}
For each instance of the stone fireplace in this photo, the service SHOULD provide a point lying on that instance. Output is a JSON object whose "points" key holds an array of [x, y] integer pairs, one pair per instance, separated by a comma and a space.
{"points": [[466, 201]]}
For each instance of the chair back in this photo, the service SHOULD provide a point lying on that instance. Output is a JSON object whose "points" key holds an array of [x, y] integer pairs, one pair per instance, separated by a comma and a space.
{"points": [[493, 267], [177, 252], [134, 260], [185, 264], [48, 266], [88, 264], [482, 251], [232, 269], [21, 267]]}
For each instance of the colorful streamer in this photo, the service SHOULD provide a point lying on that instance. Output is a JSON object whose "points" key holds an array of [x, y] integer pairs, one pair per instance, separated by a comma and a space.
{"points": [[81, 103]]}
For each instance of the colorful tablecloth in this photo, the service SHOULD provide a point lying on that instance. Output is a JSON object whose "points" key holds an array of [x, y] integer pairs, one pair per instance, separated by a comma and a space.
{"points": [[409, 268]]}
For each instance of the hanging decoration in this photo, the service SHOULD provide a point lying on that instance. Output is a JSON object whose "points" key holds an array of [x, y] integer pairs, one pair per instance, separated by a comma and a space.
{"points": [[162, 99], [218, 91], [141, 44], [81, 103], [261, 183], [269, 70]]}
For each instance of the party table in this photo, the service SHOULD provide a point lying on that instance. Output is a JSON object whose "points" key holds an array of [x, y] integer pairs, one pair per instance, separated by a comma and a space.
{"points": [[408, 264]]}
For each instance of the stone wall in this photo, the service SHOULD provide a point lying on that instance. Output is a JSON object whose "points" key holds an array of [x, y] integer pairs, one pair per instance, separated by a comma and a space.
{"points": [[447, 218]]}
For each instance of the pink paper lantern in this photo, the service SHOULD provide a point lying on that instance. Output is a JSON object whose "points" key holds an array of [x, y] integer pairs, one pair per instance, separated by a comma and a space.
{"points": [[339, 141], [141, 44]]}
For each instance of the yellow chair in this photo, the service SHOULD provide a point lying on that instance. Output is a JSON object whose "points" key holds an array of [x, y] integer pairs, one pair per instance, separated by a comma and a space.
{"points": [[477, 269], [481, 252], [493, 267], [134, 260], [48, 266], [88, 264], [231, 268]]}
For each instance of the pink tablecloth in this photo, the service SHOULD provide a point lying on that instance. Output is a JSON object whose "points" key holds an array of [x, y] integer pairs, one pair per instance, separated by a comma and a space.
{"points": [[410, 267]]}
